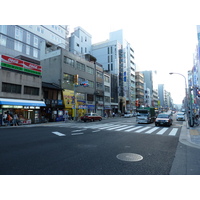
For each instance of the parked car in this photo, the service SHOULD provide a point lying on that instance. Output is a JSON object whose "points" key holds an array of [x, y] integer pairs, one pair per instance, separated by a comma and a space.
{"points": [[180, 116], [163, 119], [91, 117], [128, 114]]}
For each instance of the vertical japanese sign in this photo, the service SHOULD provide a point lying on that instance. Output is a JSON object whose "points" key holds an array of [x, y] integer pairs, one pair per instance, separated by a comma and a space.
{"points": [[20, 65]]}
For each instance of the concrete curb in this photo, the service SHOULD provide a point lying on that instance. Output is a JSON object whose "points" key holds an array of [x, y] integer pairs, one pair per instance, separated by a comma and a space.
{"points": [[185, 137]]}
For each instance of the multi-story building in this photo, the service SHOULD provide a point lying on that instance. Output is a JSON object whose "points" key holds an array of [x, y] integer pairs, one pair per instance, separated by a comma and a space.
{"points": [[155, 98], [148, 79], [20, 88], [80, 42], [28, 40], [161, 96], [23, 44], [70, 71], [117, 56], [147, 96], [140, 88], [107, 94]]}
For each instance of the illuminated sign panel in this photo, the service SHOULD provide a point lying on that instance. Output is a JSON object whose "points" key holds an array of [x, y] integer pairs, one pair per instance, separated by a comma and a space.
{"points": [[20, 65]]}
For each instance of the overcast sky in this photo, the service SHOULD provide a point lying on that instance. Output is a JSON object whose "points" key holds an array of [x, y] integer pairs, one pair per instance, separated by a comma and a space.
{"points": [[162, 33]]}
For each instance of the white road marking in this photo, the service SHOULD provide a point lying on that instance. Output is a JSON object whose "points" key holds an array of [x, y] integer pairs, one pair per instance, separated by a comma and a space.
{"points": [[124, 128], [138, 131], [162, 131], [77, 133], [96, 131], [58, 133], [173, 131], [78, 130], [152, 130], [133, 128], [105, 127], [115, 127]]}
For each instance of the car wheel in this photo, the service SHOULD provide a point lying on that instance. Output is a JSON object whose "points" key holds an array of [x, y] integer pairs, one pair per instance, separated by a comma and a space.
{"points": [[100, 119], [84, 120]]}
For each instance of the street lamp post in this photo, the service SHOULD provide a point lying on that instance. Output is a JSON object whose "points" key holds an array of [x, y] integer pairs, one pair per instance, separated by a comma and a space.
{"points": [[188, 105]]}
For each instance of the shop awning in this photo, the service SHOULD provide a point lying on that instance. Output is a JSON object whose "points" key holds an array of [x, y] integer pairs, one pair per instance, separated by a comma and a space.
{"points": [[21, 102]]}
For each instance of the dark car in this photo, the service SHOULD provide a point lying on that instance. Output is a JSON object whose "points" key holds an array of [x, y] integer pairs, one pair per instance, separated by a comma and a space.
{"points": [[91, 117], [163, 119]]}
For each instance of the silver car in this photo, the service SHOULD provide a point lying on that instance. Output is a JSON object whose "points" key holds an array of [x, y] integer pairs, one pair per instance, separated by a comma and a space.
{"points": [[180, 116]]}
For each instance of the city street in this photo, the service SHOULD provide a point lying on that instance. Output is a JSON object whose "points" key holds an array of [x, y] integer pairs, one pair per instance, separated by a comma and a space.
{"points": [[109, 147]]}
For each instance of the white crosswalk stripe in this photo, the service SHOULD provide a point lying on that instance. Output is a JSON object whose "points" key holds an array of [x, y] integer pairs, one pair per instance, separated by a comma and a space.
{"points": [[137, 127], [162, 131], [152, 130], [143, 129], [173, 131], [131, 128]]}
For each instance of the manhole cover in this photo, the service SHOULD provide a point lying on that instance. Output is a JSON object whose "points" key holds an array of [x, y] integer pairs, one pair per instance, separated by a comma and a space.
{"points": [[131, 157]]}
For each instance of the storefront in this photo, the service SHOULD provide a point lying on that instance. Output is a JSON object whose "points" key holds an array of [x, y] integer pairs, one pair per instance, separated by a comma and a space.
{"points": [[28, 111], [75, 108]]}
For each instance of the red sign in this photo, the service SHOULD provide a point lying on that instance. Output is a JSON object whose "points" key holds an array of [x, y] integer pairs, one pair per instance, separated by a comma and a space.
{"points": [[32, 66], [12, 61], [16, 64]]}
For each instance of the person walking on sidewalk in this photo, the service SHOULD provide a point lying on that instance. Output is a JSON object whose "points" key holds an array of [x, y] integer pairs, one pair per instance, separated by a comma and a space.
{"points": [[15, 120], [65, 117]]}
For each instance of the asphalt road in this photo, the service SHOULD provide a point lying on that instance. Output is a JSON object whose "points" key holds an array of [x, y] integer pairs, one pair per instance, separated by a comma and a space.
{"points": [[82, 149]]}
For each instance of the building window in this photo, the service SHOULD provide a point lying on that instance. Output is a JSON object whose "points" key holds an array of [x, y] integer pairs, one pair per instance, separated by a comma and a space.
{"points": [[107, 99], [35, 53], [99, 86], [18, 46], [107, 89], [99, 74], [27, 50], [18, 34], [85, 49], [111, 67], [11, 88], [35, 41], [28, 38], [90, 97], [68, 61], [31, 90], [68, 78], [89, 70], [80, 80], [80, 66], [2, 40], [39, 29], [3, 29], [107, 79], [91, 84]]}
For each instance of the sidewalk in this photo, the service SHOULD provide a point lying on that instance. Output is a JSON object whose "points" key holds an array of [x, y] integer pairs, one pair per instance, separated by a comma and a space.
{"points": [[187, 157]]}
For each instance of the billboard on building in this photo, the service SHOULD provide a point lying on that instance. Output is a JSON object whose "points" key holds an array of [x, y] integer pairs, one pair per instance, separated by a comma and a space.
{"points": [[20, 65]]}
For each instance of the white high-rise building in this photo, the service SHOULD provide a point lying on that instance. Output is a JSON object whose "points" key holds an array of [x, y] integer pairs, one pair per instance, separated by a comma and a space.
{"points": [[117, 56]]}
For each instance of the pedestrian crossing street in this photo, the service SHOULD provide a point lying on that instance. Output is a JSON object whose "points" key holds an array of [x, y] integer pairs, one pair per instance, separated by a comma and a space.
{"points": [[170, 131]]}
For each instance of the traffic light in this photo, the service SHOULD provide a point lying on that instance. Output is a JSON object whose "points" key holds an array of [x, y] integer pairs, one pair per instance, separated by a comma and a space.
{"points": [[137, 103], [198, 93], [84, 84], [76, 79]]}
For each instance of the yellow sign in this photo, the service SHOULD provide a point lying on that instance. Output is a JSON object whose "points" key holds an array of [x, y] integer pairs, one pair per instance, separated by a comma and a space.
{"points": [[68, 97]]}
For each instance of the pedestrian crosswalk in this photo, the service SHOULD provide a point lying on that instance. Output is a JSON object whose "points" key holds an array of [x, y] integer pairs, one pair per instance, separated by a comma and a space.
{"points": [[134, 128]]}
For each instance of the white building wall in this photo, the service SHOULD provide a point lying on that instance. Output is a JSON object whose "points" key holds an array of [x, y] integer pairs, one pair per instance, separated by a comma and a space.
{"points": [[55, 34], [80, 41]]}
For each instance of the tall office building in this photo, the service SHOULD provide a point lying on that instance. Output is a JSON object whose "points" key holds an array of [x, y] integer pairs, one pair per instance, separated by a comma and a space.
{"points": [[117, 56]]}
